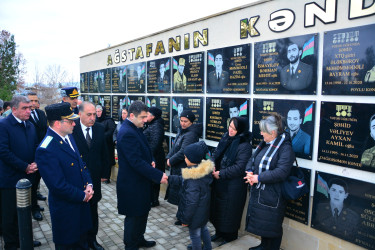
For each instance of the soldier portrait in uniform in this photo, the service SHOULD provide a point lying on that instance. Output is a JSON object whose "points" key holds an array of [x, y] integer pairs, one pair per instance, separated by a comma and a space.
{"points": [[179, 78], [176, 117], [122, 80], [234, 111], [368, 156], [218, 78], [163, 78], [296, 75], [140, 77], [335, 217], [300, 139]]}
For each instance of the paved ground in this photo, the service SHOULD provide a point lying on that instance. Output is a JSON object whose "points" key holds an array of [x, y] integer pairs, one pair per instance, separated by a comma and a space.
{"points": [[160, 226]]}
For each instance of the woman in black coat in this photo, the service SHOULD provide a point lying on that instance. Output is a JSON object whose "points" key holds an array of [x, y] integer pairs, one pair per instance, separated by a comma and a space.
{"points": [[268, 167], [229, 189], [110, 127], [154, 133]]}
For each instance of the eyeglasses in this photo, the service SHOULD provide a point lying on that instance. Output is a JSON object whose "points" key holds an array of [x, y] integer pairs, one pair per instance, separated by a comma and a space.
{"points": [[68, 121]]}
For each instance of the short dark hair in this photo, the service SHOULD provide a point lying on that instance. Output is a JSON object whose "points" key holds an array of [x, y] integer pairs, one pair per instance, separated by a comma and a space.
{"points": [[81, 107], [372, 118], [292, 43], [233, 104], [31, 93], [6, 104], [294, 108], [17, 99], [124, 107], [137, 107], [338, 182]]}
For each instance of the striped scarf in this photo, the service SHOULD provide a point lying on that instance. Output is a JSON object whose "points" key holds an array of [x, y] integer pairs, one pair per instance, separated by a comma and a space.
{"points": [[265, 162]]}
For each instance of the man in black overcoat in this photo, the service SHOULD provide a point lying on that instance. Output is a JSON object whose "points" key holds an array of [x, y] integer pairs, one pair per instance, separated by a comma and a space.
{"points": [[90, 139]]}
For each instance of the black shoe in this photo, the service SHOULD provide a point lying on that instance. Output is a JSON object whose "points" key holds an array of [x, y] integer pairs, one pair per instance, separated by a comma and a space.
{"points": [[40, 197], [95, 245], [215, 237], [37, 215], [155, 204], [223, 243], [107, 181], [147, 243], [178, 223], [37, 243], [39, 208], [190, 247]]}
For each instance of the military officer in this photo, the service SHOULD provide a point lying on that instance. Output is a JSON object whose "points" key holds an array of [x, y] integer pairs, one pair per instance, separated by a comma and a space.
{"points": [[179, 78], [368, 156], [70, 95], [67, 178]]}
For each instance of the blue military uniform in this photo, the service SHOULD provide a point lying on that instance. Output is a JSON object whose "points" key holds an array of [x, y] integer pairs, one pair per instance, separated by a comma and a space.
{"points": [[66, 177]]}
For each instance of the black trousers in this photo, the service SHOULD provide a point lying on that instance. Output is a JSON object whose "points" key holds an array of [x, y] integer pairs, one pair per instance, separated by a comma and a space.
{"points": [[80, 245], [227, 236], [9, 218], [135, 228], [91, 235], [155, 192], [34, 190], [271, 243]]}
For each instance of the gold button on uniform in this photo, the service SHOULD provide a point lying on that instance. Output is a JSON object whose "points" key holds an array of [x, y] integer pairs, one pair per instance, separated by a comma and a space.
{"points": [[72, 164]]}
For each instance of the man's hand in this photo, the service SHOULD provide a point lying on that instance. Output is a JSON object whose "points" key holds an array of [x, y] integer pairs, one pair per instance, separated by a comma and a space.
{"points": [[89, 192], [216, 174], [168, 164], [31, 168], [164, 179], [153, 164], [184, 225], [251, 178]]}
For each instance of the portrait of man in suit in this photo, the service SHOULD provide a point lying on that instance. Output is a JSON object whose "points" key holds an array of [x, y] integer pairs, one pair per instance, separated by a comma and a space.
{"points": [[163, 78], [300, 139], [296, 75], [218, 78], [334, 216], [368, 156], [140, 77]]}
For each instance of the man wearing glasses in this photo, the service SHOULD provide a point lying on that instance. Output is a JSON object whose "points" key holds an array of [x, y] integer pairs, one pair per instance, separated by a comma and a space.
{"points": [[67, 178]]}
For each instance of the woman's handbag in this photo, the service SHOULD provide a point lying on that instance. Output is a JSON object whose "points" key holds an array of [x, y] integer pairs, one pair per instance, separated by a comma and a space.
{"points": [[294, 187]]}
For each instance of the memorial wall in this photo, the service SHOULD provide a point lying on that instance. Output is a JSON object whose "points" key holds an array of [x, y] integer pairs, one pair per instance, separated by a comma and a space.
{"points": [[312, 62]]}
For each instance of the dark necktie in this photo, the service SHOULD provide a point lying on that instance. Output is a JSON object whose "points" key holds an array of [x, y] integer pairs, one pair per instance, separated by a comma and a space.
{"points": [[218, 76], [336, 215], [88, 138], [34, 116], [292, 71]]}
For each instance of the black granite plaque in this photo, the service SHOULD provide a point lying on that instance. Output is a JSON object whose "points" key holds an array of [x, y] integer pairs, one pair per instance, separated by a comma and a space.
{"points": [[163, 103], [159, 76], [119, 79], [298, 210], [93, 82], [344, 208], [219, 111], [349, 61], [286, 66], [118, 101], [131, 98], [228, 70], [300, 120], [195, 104], [136, 78], [188, 73], [84, 83], [347, 135]]}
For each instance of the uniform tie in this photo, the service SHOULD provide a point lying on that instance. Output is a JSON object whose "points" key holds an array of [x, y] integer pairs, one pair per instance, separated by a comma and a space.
{"points": [[292, 72], [34, 115], [336, 215], [88, 138]]}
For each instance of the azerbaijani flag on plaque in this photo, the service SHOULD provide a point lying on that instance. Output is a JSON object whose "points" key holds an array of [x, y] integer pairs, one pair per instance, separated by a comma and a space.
{"points": [[211, 59], [174, 104], [148, 102], [322, 186], [243, 109], [308, 48], [167, 65], [143, 68], [308, 114], [175, 64]]}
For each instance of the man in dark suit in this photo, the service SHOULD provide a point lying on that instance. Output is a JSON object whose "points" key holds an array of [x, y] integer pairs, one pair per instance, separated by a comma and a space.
{"points": [[136, 175], [300, 139], [296, 75], [70, 95], [163, 78], [67, 178], [218, 78], [39, 119], [18, 142], [90, 139]]}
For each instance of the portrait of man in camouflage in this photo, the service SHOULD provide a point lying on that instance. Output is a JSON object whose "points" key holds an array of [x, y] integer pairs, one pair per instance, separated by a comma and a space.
{"points": [[368, 156]]}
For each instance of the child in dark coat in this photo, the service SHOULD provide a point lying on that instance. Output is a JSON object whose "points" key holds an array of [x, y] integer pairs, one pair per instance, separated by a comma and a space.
{"points": [[195, 194]]}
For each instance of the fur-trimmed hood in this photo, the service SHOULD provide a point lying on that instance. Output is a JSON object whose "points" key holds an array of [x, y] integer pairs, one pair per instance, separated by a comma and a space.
{"points": [[204, 168]]}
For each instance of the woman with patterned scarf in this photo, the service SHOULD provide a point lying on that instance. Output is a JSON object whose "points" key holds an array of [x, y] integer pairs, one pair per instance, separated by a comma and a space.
{"points": [[268, 167]]}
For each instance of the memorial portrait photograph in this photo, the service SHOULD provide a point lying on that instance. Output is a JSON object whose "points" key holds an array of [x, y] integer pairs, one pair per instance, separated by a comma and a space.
{"points": [[299, 119], [228, 70], [298, 210], [93, 82], [118, 79], [346, 136], [349, 61], [100, 79], [158, 76], [286, 66], [84, 83], [163, 103], [136, 77], [344, 207], [219, 111], [179, 104], [107, 81], [118, 101], [188, 73], [131, 98]]}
